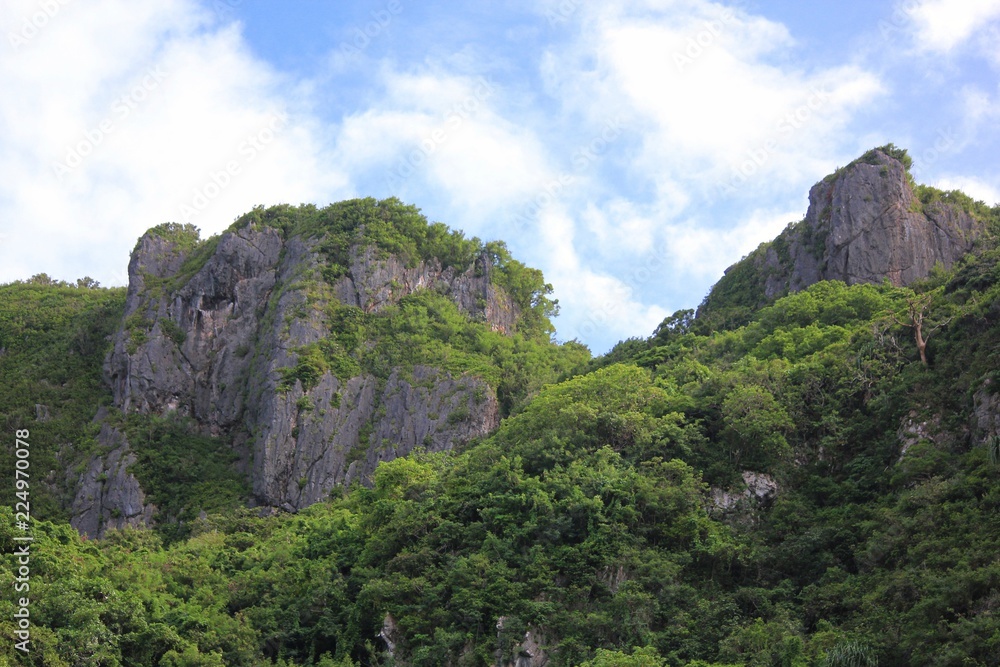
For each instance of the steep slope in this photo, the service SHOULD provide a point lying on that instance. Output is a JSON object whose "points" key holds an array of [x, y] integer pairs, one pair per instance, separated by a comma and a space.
{"points": [[319, 343], [802, 490], [866, 223], [53, 339]]}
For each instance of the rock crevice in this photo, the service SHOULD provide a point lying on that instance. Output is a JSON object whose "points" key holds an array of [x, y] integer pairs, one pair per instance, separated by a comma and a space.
{"points": [[209, 342]]}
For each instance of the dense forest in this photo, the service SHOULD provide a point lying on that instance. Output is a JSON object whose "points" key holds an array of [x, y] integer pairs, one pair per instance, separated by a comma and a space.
{"points": [[804, 481]]}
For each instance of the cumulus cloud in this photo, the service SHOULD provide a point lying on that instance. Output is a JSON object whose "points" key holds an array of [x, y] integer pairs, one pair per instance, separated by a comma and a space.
{"points": [[596, 307], [697, 81], [943, 25], [123, 115], [627, 179], [975, 187]]}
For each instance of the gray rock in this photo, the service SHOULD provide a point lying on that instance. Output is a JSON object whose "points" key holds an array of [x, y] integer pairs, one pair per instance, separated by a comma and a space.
{"points": [[529, 652], [985, 413], [759, 489], [108, 496], [864, 225], [375, 282], [210, 344]]}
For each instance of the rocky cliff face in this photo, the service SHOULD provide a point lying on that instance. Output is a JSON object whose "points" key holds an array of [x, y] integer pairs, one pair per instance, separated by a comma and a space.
{"points": [[108, 495], [208, 331], [864, 225]]}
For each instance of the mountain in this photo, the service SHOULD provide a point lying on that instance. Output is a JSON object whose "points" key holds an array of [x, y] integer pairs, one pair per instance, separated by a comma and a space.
{"points": [[313, 345], [803, 477], [866, 223]]}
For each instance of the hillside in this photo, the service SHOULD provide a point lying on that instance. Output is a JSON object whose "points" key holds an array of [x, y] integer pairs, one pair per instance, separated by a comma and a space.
{"points": [[867, 222], [802, 475], [286, 357]]}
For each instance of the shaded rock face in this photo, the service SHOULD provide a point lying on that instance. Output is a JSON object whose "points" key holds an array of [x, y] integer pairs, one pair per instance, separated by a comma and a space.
{"points": [[914, 429], [985, 413], [760, 489], [374, 283], [218, 312], [210, 345], [528, 651], [864, 225], [108, 496]]}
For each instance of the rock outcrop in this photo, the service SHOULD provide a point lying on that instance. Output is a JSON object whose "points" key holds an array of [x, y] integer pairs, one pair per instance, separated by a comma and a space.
{"points": [[865, 224], [208, 331], [108, 495], [985, 413], [760, 489]]}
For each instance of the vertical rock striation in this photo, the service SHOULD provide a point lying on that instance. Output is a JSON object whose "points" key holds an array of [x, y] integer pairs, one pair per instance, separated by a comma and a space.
{"points": [[108, 495], [864, 224], [209, 328]]}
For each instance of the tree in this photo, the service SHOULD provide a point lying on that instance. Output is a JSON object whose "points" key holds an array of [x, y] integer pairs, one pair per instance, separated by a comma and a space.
{"points": [[918, 309], [756, 424]]}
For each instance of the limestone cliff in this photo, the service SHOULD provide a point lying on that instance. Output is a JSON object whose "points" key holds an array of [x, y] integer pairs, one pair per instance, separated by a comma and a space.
{"points": [[212, 328], [865, 224], [108, 495]]}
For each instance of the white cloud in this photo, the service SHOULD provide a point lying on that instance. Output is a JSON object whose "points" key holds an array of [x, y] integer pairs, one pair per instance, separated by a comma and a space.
{"points": [[697, 82], [976, 188], [596, 307], [943, 25], [705, 252], [124, 115], [433, 130]]}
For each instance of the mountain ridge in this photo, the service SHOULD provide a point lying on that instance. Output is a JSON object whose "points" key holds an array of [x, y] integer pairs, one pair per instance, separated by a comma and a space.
{"points": [[807, 487], [866, 222]]}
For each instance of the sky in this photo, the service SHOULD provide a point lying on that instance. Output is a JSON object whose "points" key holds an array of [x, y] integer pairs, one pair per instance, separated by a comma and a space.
{"points": [[630, 150]]}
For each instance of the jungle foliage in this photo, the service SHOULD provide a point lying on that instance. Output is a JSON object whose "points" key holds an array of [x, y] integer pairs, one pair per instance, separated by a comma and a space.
{"points": [[594, 518]]}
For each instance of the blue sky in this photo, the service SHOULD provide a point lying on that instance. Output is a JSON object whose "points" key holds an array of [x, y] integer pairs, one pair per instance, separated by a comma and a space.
{"points": [[631, 150]]}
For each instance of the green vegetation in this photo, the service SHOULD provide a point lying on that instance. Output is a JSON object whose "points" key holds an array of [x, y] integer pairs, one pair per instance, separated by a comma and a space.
{"points": [[872, 157], [743, 290], [608, 520], [393, 228], [52, 345], [185, 236], [427, 328], [583, 520], [181, 472], [738, 294]]}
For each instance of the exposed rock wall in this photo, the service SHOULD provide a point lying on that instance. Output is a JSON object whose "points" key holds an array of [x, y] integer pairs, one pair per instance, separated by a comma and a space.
{"points": [[864, 225], [210, 345], [867, 225], [374, 283], [108, 495], [985, 413]]}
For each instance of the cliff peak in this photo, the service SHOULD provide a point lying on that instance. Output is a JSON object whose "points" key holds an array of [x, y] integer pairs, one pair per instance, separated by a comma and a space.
{"points": [[866, 223]]}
